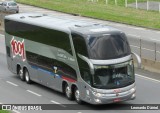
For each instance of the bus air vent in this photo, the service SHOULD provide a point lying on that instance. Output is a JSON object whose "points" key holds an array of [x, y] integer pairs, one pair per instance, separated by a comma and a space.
{"points": [[35, 16], [22, 17]]}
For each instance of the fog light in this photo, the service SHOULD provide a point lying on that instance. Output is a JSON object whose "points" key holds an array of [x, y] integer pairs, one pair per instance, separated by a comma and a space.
{"points": [[97, 100], [133, 96]]}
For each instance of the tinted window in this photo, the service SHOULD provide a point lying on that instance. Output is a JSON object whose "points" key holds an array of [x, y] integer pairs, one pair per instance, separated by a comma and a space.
{"points": [[4, 4], [79, 45], [108, 46], [48, 64], [39, 34], [12, 4]]}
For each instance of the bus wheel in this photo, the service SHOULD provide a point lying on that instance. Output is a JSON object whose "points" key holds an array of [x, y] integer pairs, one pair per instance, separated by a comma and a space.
{"points": [[77, 96], [27, 76], [68, 92], [20, 73]]}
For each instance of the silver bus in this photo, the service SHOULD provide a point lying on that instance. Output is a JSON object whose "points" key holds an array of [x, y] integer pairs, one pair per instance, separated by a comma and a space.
{"points": [[86, 61]]}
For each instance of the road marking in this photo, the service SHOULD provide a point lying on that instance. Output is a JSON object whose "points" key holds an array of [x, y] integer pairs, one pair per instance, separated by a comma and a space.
{"points": [[11, 83], [138, 28], [148, 78], [135, 46], [34, 93], [1, 35], [155, 40], [15, 111], [58, 103], [137, 36], [148, 49]]}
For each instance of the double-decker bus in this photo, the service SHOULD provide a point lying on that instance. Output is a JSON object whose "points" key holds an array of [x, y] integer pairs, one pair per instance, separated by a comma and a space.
{"points": [[86, 61]]}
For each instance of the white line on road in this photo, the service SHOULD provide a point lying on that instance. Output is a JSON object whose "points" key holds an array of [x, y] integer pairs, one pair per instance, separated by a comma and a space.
{"points": [[134, 35], [34, 93], [11, 83], [148, 49], [15, 111], [137, 28], [135, 46], [155, 40], [1, 35], [58, 103], [148, 78]]}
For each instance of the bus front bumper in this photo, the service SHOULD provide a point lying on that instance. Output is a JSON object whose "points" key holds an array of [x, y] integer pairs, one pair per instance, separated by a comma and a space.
{"points": [[114, 97]]}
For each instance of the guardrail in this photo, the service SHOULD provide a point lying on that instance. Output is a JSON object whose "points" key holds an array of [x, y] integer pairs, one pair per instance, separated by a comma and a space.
{"points": [[147, 49]]}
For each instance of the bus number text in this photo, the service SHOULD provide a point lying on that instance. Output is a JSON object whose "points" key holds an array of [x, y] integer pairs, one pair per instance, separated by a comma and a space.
{"points": [[18, 48]]}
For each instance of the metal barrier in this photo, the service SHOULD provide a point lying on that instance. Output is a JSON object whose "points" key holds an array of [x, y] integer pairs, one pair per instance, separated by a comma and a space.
{"points": [[146, 49]]}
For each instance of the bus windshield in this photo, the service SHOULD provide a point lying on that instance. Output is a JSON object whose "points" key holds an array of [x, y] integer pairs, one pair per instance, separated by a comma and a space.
{"points": [[107, 46], [114, 76]]}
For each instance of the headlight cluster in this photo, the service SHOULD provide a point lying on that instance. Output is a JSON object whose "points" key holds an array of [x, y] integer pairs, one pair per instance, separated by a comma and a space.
{"points": [[98, 94], [133, 90]]}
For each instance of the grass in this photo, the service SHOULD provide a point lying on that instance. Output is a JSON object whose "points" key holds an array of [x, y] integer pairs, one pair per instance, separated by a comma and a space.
{"points": [[100, 10], [2, 111]]}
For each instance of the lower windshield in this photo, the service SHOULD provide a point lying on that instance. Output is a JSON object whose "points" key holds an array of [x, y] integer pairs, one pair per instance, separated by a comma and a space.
{"points": [[108, 46], [114, 76]]}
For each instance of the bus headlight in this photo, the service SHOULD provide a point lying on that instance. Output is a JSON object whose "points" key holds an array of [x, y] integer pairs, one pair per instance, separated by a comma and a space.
{"points": [[97, 94], [133, 90]]}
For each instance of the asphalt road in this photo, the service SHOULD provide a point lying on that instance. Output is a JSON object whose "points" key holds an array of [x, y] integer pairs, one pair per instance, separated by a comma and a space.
{"points": [[14, 91]]}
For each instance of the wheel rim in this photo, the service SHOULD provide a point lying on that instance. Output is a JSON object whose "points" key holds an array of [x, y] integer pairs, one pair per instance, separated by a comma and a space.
{"points": [[77, 95], [21, 74], [27, 76], [67, 91]]}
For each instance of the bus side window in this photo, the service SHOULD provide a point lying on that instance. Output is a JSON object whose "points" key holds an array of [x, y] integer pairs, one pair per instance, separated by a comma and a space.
{"points": [[79, 45]]}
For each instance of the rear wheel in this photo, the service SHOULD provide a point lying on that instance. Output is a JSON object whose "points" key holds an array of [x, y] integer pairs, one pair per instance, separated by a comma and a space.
{"points": [[27, 76], [77, 96], [68, 92], [20, 73]]}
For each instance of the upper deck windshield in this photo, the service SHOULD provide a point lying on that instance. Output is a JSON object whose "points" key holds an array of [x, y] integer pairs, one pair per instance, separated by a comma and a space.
{"points": [[107, 46]]}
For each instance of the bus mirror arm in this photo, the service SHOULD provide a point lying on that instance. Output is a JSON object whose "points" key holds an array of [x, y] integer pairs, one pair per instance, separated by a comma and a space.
{"points": [[138, 59], [89, 63]]}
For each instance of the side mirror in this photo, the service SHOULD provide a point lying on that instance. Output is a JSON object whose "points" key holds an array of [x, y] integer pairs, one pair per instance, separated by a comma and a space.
{"points": [[138, 59], [89, 63]]}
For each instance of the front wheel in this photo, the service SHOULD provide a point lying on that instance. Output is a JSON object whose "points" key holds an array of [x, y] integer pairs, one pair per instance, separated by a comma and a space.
{"points": [[27, 76], [77, 96]]}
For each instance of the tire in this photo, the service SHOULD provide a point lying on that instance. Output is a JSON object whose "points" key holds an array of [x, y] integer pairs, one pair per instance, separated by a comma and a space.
{"points": [[77, 96], [68, 92], [20, 73], [27, 77]]}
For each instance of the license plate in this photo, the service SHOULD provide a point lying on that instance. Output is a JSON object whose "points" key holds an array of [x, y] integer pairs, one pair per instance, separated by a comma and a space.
{"points": [[117, 100]]}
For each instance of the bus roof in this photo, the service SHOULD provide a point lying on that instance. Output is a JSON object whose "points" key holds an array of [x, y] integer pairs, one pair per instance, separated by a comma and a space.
{"points": [[62, 23]]}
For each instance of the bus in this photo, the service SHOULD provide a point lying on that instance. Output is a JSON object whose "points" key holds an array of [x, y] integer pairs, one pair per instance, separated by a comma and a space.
{"points": [[86, 61]]}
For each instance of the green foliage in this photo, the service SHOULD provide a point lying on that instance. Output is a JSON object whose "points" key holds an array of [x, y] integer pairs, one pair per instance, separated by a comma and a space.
{"points": [[2, 111], [102, 11]]}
